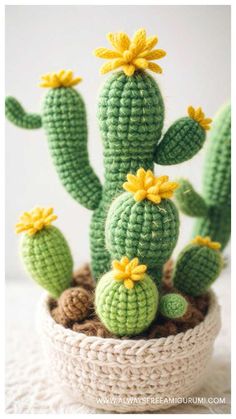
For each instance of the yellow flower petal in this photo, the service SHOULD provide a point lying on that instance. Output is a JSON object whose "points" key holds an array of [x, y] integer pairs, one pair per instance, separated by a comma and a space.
{"points": [[124, 260], [134, 180], [128, 283], [35, 220], [151, 42], [106, 53], [155, 68], [129, 187], [123, 41], [154, 198], [140, 269], [157, 54], [140, 63], [140, 195], [128, 69]]}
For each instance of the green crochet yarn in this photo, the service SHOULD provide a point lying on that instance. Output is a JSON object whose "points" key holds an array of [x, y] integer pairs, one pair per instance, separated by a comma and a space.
{"points": [[126, 312], [47, 258], [142, 229], [17, 115], [213, 208], [131, 117], [173, 306], [197, 267]]}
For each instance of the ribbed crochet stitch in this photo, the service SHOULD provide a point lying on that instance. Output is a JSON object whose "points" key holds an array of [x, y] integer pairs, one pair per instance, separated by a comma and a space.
{"points": [[126, 311], [197, 267], [213, 208]]}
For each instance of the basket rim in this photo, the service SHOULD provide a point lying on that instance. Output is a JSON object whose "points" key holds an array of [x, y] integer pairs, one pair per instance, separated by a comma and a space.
{"points": [[77, 338]]}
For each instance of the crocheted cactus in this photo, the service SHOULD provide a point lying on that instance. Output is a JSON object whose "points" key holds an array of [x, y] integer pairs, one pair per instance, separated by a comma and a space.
{"points": [[144, 222], [173, 306], [198, 266], [213, 208], [126, 298], [44, 251], [131, 118]]}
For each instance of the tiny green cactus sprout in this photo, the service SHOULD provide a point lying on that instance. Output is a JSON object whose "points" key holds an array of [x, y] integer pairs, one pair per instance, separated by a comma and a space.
{"points": [[44, 251], [173, 306], [126, 298], [131, 117], [144, 222], [213, 208], [198, 266]]}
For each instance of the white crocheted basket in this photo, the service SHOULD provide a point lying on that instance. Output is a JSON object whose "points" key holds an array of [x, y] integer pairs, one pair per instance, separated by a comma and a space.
{"points": [[129, 375]]}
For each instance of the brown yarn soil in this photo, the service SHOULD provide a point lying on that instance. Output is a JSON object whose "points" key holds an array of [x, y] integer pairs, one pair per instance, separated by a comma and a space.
{"points": [[161, 327]]}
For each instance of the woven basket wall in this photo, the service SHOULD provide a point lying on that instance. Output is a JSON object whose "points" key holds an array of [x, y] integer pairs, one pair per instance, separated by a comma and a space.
{"points": [[128, 375]]}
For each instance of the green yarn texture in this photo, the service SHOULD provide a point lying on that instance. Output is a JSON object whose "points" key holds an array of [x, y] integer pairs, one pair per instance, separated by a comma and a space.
{"points": [[126, 312], [47, 259], [131, 117], [17, 115], [197, 267], [173, 306], [142, 229], [213, 208]]}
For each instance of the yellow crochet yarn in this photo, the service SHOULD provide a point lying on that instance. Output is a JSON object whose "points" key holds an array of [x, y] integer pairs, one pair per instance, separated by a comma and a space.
{"points": [[147, 186], [206, 241], [131, 54], [62, 79], [199, 116], [128, 271], [35, 220]]}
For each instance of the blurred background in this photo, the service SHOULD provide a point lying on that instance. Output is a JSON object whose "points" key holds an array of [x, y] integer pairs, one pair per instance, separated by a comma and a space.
{"points": [[41, 39]]}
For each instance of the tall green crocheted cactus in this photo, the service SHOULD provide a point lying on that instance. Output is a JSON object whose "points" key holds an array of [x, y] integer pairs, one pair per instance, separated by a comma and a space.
{"points": [[126, 299], [45, 252], [213, 208], [144, 222], [131, 117], [198, 266]]}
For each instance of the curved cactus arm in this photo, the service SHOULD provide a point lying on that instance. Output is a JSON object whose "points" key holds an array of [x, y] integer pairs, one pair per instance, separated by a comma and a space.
{"points": [[16, 114], [183, 139], [189, 201]]}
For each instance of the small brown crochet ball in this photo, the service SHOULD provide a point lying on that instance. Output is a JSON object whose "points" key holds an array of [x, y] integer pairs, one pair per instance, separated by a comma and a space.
{"points": [[73, 305]]}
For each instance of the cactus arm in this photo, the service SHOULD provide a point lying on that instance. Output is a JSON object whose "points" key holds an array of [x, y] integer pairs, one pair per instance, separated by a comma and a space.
{"points": [[16, 114], [181, 142], [64, 119], [189, 201]]}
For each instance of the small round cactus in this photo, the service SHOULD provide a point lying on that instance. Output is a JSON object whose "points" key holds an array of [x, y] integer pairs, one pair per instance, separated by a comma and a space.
{"points": [[45, 251], [126, 298], [173, 306], [198, 266], [143, 222]]}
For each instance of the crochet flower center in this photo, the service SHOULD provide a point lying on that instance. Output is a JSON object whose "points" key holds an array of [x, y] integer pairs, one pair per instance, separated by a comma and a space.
{"points": [[62, 79], [206, 241], [199, 116], [144, 185], [35, 220], [131, 54], [128, 271]]}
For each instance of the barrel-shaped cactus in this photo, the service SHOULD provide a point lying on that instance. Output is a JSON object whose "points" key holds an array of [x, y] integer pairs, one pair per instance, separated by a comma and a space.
{"points": [[198, 266], [213, 208], [173, 306], [131, 117], [126, 298], [44, 251], [144, 222]]}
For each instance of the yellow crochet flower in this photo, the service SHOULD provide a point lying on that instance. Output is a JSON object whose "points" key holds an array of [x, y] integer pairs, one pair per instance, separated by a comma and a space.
{"points": [[206, 241], [62, 79], [144, 185], [199, 116], [35, 220], [131, 54], [128, 271]]}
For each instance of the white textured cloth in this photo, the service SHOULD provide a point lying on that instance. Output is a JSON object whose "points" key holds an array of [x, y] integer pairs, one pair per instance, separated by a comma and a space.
{"points": [[30, 390]]}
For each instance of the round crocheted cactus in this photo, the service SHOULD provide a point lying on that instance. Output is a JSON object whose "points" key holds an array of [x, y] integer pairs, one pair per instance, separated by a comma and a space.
{"points": [[131, 118], [144, 222], [173, 306], [44, 251], [213, 208], [126, 298], [198, 266]]}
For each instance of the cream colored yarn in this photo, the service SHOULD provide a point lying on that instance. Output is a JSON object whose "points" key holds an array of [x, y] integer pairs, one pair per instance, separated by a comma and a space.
{"points": [[116, 371]]}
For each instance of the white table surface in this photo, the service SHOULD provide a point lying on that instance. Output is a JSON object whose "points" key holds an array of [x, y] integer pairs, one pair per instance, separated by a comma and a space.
{"points": [[29, 389]]}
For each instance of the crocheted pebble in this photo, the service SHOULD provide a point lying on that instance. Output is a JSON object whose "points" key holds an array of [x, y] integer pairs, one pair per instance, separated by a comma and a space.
{"points": [[74, 304], [173, 306]]}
